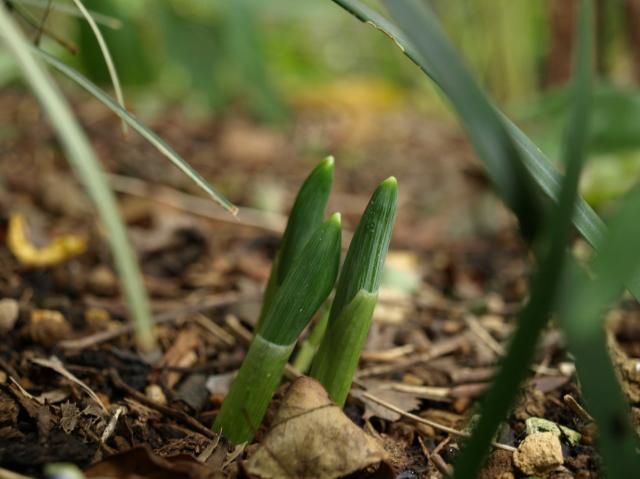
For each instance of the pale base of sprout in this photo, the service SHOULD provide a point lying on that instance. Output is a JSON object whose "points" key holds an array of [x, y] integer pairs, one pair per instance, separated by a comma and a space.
{"points": [[337, 359], [309, 346], [259, 376]]}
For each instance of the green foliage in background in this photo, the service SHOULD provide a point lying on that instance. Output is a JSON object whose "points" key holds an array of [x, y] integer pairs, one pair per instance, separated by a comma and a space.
{"points": [[419, 35]]}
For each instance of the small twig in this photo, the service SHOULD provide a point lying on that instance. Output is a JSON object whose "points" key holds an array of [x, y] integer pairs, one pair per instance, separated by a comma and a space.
{"points": [[388, 355], [113, 422], [165, 317], [441, 464], [106, 20], [579, 411], [43, 21], [196, 205], [32, 22], [428, 422], [173, 413], [437, 350], [215, 330], [56, 365], [483, 335]]}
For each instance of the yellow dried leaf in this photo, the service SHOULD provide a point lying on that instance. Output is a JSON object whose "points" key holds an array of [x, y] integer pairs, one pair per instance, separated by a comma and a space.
{"points": [[59, 250]]}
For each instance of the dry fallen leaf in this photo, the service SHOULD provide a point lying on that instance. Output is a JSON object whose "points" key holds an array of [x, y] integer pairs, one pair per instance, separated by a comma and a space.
{"points": [[140, 463], [383, 390], [312, 438], [58, 251]]}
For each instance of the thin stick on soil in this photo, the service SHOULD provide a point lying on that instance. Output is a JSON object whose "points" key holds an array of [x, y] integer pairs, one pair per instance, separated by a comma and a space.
{"points": [[184, 418], [428, 422], [212, 302]]}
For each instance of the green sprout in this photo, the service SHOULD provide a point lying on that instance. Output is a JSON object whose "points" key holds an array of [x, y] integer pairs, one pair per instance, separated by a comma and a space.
{"points": [[309, 347], [306, 215], [356, 294], [307, 285]]}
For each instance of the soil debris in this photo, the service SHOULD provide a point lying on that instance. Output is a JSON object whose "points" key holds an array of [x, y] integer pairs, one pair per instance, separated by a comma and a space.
{"points": [[539, 453]]}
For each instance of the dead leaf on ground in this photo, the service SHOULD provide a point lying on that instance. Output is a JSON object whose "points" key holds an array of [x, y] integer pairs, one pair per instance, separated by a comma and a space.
{"points": [[384, 390], [312, 438], [140, 463]]}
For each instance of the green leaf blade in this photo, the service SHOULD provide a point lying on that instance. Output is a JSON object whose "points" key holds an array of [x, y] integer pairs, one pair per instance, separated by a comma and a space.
{"points": [[305, 217], [338, 355], [546, 283], [308, 284], [363, 264], [337, 359], [145, 132]]}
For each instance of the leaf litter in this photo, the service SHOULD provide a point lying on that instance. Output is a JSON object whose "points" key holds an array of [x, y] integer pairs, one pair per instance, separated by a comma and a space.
{"points": [[445, 312]]}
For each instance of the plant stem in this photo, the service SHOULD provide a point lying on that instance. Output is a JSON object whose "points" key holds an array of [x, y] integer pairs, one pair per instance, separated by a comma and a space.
{"points": [[356, 293], [248, 399], [339, 352], [310, 345], [306, 215]]}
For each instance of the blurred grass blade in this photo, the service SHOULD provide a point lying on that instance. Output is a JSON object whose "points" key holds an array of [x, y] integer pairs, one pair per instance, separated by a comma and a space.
{"points": [[542, 171], [87, 167], [304, 289], [305, 217], [134, 123], [547, 281], [581, 318], [104, 49], [483, 125], [106, 20], [356, 294]]}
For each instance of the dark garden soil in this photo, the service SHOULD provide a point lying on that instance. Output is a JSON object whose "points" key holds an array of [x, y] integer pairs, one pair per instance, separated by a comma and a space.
{"points": [[74, 388]]}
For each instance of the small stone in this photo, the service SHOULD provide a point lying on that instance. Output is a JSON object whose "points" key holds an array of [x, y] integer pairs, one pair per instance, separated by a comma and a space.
{"points": [[47, 327], [538, 454], [8, 314], [155, 394], [103, 282], [97, 319]]}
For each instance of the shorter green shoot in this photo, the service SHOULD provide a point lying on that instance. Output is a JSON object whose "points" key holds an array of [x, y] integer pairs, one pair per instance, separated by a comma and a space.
{"points": [[356, 294], [310, 345], [305, 217], [307, 285]]}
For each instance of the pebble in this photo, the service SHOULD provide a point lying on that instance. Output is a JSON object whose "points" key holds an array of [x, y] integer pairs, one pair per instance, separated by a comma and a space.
{"points": [[47, 327], [103, 282], [8, 314], [538, 454]]}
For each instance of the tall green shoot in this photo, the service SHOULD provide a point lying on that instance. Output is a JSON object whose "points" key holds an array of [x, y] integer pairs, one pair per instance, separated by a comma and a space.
{"points": [[356, 294], [306, 286], [305, 217]]}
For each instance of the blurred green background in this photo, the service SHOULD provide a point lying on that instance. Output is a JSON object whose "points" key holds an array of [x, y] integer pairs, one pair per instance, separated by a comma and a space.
{"points": [[262, 59]]}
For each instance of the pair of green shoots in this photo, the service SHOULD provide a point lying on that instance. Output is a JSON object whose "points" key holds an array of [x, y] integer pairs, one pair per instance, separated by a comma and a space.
{"points": [[303, 275]]}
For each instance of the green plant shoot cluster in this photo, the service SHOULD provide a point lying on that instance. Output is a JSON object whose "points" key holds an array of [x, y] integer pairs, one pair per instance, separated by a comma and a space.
{"points": [[310, 281], [302, 277]]}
